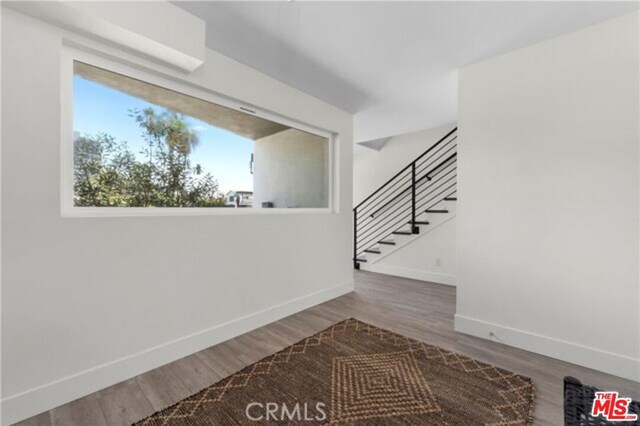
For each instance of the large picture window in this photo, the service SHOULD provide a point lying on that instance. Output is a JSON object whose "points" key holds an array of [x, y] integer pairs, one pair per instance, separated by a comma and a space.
{"points": [[142, 145]]}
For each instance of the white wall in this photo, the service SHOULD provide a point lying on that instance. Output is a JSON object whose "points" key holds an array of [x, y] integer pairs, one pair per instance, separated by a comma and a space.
{"points": [[548, 190], [87, 302], [291, 169], [431, 257]]}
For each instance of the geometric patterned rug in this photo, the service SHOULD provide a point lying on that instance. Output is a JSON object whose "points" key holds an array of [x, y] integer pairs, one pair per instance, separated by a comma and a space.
{"points": [[353, 373]]}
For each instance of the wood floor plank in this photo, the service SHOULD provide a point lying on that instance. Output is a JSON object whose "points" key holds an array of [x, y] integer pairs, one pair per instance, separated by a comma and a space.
{"points": [[83, 411], [193, 373], [416, 309], [124, 403], [221, 360], [162, 388], [43, 419]]}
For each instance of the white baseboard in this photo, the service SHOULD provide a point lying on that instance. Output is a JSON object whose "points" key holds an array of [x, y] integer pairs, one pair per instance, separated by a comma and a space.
{"points": [[597, 359], [415, 274], [34, 401]]}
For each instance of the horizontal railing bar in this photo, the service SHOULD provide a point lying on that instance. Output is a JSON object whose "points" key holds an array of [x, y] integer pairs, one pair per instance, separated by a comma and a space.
{"points": [[371, 204], [393, 190], [448, 149], [398, 197], [437, 143], [442, 199], [418, 181], [371, 227], [440, 183], [408, 166], [365, 235], [372, 239], [435, 156], [366, 239], [424, 191], [362, 210], [380, 237], [387, 232], [445, 163]]}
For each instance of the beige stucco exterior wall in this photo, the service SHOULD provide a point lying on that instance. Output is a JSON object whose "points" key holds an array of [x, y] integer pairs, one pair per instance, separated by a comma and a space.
{"points": [[291, 170]]}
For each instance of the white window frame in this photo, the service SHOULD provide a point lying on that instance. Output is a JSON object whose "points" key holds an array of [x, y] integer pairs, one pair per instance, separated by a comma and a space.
{"points": [[68, 209]]}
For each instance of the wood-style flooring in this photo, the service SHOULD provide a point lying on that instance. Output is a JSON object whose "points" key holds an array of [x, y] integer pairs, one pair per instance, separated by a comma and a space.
{"points": [[416, 309]]}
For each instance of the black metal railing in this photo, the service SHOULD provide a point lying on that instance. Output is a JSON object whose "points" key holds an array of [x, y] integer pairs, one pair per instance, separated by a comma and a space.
{"points": [[419, 186]]}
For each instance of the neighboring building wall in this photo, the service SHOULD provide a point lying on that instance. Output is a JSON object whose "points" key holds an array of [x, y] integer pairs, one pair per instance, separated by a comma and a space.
{"points": [[89, 302], [432, 257], [290, 169], [548, 194]]}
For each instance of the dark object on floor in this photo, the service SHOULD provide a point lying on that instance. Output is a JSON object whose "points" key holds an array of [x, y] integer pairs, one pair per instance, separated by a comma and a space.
{"points": [[355, 373], [578, 401]]}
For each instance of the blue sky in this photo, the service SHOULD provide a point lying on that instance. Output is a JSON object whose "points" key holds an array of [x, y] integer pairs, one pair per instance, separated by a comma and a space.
{"points": [[100, 109]]}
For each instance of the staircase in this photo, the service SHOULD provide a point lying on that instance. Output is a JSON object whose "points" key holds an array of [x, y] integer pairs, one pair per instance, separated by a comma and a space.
{"points": [[418, 198]]}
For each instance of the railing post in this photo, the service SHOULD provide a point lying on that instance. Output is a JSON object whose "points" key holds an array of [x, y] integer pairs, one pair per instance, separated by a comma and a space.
{"points": [[414, 228], [356, 265]]}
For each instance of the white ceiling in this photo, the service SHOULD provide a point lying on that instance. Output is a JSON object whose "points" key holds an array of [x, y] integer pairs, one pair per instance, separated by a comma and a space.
{"points": [[393, 65]]}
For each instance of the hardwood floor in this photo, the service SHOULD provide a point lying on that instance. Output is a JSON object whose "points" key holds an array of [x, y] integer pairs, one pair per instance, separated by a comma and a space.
{"points": [[420, 310]]}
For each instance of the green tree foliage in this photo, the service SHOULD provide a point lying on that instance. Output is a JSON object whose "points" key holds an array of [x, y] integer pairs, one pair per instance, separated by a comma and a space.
{"points": [[107, 173]]}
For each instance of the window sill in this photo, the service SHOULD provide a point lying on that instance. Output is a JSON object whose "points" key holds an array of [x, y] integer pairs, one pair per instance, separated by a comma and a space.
{"points": [[73, 212]]}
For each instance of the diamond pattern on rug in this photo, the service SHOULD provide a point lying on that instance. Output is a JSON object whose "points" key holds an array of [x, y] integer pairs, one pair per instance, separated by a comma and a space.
{"points": [[379, 385]]}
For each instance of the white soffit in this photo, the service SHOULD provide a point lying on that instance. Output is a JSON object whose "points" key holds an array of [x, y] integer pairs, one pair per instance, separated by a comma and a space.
{"points": [[157, 29], [375, 144]]}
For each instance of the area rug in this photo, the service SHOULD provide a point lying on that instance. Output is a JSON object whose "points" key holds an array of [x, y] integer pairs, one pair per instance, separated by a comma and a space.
{"points": [[353, 373]]}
